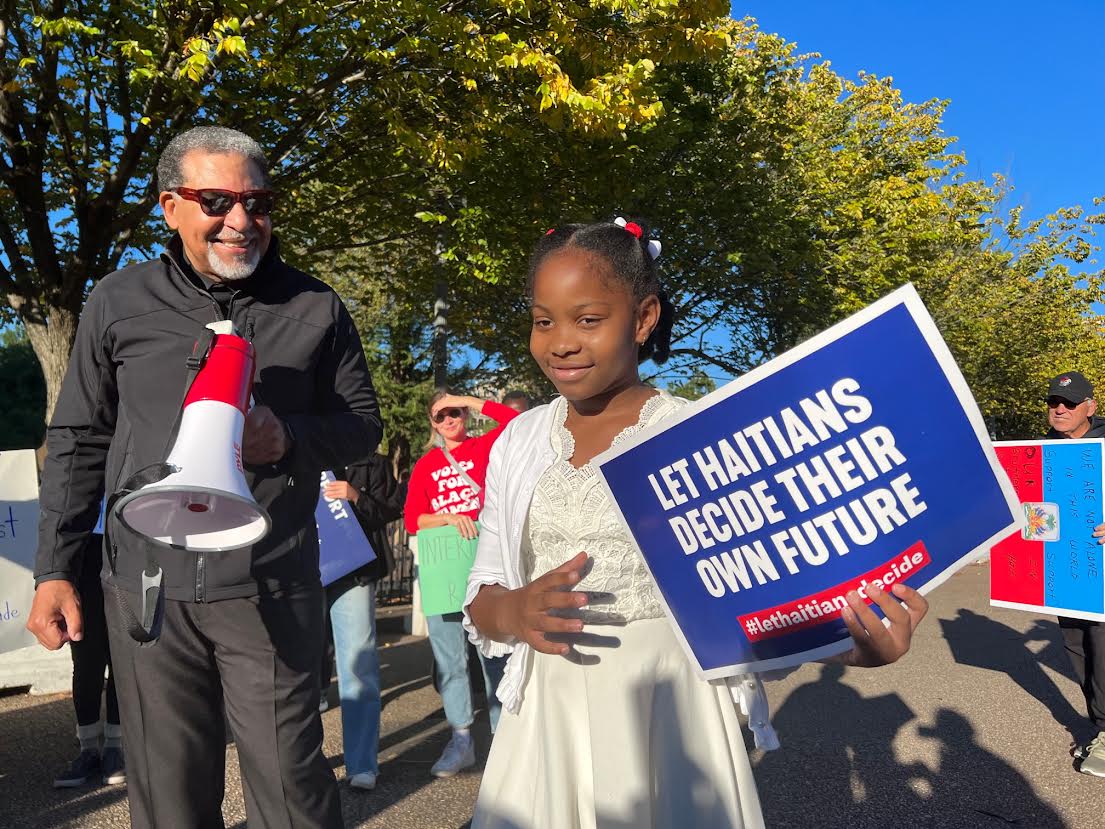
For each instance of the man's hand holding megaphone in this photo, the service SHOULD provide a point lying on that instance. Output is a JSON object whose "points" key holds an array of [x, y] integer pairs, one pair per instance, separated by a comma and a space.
{"points": [[55, 615], [265, 438]]}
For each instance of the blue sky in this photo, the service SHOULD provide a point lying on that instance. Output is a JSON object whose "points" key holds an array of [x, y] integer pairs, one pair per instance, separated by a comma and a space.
{"points": [[1026, 81]]}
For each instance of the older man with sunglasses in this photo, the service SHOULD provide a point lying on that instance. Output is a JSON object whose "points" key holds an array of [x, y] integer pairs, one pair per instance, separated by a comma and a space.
{"points": [[1072, 414], [241, 629]]}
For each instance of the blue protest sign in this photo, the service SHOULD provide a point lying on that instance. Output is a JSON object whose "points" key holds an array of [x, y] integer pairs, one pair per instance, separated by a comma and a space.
{"points": [[99, 528], [342, 544], [859, 456]]}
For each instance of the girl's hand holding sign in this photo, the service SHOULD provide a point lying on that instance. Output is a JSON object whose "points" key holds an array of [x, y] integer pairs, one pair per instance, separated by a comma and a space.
{"points": [[875, 643]]}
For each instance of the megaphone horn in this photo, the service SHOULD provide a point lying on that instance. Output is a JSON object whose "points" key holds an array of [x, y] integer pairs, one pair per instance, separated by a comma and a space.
{"points": [[205, 504]]}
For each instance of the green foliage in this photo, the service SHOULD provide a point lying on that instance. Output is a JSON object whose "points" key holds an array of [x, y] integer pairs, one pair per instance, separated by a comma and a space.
{"points": [[23, 403], [1015, 314], [417, 143], [366, 108], [787, 198], [696, 386]]}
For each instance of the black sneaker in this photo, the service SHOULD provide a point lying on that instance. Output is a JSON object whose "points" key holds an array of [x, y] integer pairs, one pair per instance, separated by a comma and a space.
{"points": [[115, 772], [80, 771]]}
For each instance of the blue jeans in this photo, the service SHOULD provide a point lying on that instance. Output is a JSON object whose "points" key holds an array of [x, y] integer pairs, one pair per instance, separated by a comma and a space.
{"points": [[353, 618], [450, 645]]}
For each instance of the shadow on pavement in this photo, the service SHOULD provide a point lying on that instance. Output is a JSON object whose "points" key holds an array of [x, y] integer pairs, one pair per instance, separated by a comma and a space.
{"points": [[982, 642], [36, 743], [837, 768], [408, 771]]}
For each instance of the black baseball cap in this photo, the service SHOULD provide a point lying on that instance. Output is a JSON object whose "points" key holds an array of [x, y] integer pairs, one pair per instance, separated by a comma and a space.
{"points": [[1072, 386]]}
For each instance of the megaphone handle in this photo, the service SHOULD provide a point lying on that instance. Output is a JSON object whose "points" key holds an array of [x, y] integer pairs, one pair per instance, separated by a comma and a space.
{"points": [[146, 630], [153, 605]]}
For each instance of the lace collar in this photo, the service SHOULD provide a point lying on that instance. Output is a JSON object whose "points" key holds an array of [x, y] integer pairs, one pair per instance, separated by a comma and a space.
{"points": [[564, 442]]}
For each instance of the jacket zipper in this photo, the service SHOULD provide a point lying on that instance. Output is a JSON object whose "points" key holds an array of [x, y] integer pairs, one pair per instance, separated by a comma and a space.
{"points": [[249, 333], [201, 593]]}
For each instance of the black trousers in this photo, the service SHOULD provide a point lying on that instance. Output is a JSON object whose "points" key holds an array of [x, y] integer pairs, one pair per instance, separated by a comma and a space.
{"points": [[91, 655], [259, 657], [1085, 644]]}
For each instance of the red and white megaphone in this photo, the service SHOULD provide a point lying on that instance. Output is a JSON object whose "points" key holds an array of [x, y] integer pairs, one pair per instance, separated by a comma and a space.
{"points": [[205, 504]]}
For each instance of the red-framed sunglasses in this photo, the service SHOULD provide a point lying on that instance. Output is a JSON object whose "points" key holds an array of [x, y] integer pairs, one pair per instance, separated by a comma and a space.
{"points": [[215, 202]]}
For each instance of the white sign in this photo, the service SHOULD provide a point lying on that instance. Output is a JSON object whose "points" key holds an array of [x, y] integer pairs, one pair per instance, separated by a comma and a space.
{"points": [[18, 537]]}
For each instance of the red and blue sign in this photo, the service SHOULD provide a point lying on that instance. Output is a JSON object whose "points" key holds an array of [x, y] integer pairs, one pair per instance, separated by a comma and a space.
{"points": [[1053, 564], [858, 457]]}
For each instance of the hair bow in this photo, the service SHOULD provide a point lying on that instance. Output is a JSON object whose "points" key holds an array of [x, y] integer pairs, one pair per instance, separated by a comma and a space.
{"points": [[654, 247]]}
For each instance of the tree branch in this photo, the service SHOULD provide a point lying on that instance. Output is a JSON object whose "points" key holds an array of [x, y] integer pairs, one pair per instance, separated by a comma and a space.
{"points": [[369, 243], [712, 359], [16, 261], [7, 278]]}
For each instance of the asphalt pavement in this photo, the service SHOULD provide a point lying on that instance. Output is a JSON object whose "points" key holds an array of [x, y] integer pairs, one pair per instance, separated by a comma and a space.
{"points": [[972, 729]]}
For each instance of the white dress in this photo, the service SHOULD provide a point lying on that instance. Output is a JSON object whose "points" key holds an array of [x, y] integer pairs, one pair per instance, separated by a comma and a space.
{"points": [[624, 735]]}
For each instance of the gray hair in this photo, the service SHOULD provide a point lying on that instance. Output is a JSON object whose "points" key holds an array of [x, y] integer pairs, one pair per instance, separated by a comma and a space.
{"points": [[217, 140]]}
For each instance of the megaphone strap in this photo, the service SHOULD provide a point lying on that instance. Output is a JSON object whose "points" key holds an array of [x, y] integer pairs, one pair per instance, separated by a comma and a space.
{"points": [[146, 630], [200, 352]]}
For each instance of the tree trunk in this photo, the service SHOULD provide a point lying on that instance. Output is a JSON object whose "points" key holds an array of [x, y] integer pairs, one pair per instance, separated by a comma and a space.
{"points": [[400, 456], [52, 342], [441, 334]]}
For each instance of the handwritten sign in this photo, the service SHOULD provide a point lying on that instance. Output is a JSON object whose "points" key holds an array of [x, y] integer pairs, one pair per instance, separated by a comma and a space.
{"points": [[18, 540], [857, 458], [1053, 564], [444, 561], [342, 545]]}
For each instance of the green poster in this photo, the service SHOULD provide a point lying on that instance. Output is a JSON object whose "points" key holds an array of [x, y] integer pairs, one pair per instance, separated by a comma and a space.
{"points": [[444, 559]]}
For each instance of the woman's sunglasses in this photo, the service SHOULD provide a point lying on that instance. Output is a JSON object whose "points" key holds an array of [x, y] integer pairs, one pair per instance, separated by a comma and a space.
{"points": [[450, 412], [220, 202]]}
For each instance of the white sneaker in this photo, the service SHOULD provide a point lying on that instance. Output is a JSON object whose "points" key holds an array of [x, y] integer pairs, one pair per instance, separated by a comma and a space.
{"points": [[459, 754], [365, 780]]}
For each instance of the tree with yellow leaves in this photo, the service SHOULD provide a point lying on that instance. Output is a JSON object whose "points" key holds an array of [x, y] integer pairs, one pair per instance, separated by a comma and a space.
{"points": [[399, 94]]}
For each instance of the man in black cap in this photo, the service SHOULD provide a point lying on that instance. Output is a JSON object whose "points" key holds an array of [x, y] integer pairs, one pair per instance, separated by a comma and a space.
{"points": [[1072, 413], [1071, 408]]}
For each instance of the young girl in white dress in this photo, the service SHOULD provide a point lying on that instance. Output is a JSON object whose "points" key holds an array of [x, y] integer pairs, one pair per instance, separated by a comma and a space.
{"points": [[605, 723]]}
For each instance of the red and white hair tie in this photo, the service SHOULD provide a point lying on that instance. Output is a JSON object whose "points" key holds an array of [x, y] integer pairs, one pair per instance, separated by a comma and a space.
{"points": [[654, 247]]}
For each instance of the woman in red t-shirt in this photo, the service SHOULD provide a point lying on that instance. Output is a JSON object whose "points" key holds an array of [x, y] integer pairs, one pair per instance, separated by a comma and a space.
{"points": [[441, 492]]}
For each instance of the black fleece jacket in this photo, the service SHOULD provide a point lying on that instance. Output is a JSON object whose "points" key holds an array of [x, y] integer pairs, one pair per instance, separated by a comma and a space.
{"points": [[379, 503], [125, 385]]}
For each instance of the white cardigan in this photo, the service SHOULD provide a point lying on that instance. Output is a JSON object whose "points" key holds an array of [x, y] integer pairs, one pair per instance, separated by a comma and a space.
{"points": [[521, 455]]}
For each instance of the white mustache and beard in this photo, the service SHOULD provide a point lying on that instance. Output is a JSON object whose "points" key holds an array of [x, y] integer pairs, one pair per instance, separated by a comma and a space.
{"points": [[234, 267]]}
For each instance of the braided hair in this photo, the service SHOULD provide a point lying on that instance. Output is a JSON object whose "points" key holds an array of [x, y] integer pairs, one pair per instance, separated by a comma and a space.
{"points": [[626, 251]]}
